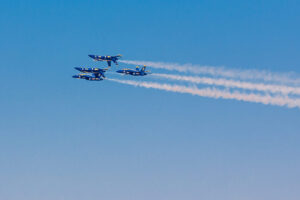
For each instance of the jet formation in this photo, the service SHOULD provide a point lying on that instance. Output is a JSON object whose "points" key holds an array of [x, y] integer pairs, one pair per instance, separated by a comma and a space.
{"points": [[98, 74]]}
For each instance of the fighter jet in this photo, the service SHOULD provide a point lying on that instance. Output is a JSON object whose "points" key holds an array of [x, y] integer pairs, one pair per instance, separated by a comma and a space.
{"points": [[88, 77], [96, 74], [106, 58], [96, 71], [136, 72]]}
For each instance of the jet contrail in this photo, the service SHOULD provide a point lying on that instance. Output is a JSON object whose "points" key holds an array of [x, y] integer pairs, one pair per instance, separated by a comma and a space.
{"points": [[221, 71], [233, 83], [216, 93]]}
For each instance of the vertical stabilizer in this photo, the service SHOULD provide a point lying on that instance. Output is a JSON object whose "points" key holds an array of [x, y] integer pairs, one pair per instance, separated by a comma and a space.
{"points": [[143, 69]]}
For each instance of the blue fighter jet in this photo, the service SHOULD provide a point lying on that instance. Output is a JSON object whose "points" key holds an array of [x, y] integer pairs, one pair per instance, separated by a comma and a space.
{"points": [[96, 74], [96, 71], [88, 77], [136, 72], [106, 58]]}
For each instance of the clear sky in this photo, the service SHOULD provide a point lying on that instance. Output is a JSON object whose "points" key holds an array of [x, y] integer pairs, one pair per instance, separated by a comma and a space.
{"points": [[68, 139]]}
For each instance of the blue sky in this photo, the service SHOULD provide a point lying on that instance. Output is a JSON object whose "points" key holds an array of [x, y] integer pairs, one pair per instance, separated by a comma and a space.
{"points": [[62, 138]]}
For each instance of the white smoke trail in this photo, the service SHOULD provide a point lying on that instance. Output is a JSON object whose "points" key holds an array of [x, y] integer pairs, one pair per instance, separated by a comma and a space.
{"points": [[222, 72], [215, 93], [233, 84]]}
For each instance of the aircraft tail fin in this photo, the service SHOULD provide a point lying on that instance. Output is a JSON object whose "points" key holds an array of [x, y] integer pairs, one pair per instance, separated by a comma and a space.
{"points": [[109, 63], [137, 68], [102, 74], [143, 69]]}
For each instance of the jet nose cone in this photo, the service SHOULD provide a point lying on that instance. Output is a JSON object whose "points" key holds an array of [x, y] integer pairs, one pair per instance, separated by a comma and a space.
{"points": [[92, 56], [77, 68], [119, 71], [75, 76]]}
